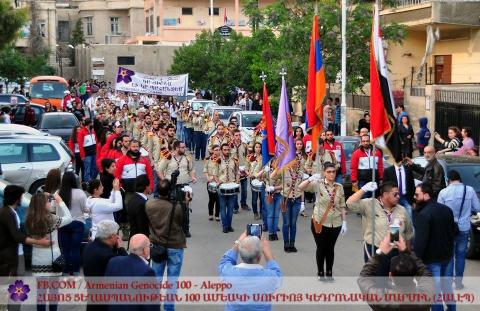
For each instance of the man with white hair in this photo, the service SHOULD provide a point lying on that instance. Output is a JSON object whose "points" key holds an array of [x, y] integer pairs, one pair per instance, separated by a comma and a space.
{"points": [[250, 277], [135, 264]]}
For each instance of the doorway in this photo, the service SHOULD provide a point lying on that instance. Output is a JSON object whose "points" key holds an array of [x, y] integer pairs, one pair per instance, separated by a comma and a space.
{"points": [[443, 69]]}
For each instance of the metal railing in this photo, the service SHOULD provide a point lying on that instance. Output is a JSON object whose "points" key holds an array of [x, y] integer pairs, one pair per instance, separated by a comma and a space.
{"points": [[417, 91], [402, 3], [458, 97]]}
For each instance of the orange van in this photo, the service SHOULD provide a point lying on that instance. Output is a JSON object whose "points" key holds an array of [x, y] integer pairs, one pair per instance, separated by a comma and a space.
{"points": [[51, 88]]}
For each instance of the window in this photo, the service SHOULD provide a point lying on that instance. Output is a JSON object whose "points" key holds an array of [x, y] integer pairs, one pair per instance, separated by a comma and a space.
{"points": [[216, 11], [13, 153], [89, 24], [126, 60], [42, 26], [44, 152], [151, 23], [114, 27], [58, 121], [187, 11], [169, 21], [158, 23], [147, 29], [63, 31]]}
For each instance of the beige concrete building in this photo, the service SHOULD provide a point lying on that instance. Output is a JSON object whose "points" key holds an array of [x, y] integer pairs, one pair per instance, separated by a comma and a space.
{"points": [[445, 86]]}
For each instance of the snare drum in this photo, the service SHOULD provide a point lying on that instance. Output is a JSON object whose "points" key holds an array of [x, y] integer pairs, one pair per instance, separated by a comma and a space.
{"points": [[212, 187], [257, 185], [230, 188]]}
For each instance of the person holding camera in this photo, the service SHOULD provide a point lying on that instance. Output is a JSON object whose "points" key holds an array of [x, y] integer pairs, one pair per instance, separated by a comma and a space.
{"points": [[262, 280], [166, 219], [405, 269], [329, 217]]}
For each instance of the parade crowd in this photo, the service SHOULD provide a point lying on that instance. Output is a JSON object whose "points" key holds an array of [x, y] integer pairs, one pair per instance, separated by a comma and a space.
{"points": [[135, 155]]}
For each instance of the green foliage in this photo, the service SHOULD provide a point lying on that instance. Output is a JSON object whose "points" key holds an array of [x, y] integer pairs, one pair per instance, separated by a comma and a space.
{"points": [[11, 20], [282, 39], [77, 34], [15, 66]]}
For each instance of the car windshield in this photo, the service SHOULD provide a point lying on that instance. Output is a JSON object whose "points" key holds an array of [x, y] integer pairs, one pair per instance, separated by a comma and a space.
{"points": [[58, 121], [470, 174], [251, 120], [224, 114], [12, 99], [47, 89], [198, 104]]}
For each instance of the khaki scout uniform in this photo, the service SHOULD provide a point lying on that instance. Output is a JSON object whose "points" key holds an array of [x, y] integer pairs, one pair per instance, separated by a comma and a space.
{"points": [[311, 162], [217, 140], [239, 152], [227, 170], [187, 120], [325, 191], [253, 165], [291, 179], [130, 124], [382, 221], [198, 123], [210, 165], [137, 130], [159, 143], [182, 163], [145, 133]]}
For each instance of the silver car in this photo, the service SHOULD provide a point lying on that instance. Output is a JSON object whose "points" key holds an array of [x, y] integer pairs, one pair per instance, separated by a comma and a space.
{"points": [[26, 159]]}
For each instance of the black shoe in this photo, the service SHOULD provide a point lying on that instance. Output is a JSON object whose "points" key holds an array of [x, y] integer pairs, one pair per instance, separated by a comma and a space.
{"points": [[188, 234], [246, 207], [321, 276], [329, 277], [275, 237], [231, 229], [210, 217], [225, 230], [235, 211], [293, 249], [271, 237], [217, 218], [286, 246]]}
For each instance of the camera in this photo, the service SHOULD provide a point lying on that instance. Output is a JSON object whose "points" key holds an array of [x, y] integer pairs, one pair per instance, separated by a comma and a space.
{"points": [[255, 230], [173, 186]]}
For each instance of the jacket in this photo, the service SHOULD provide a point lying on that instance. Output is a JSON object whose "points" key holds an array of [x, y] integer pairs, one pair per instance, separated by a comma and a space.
{"points": [[10, 237], [434, 232], [368, 285], [96, 256], [158, 213], [433, 174], [337, 148], [29, 116], [423, 135], [390, 174], [87, 142], [361, 165], [136, 215], [128, 169]]}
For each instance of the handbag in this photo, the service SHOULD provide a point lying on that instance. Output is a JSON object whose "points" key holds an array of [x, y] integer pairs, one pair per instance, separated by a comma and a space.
{"points": [[457, 230], [159, 253], [59, 263]]}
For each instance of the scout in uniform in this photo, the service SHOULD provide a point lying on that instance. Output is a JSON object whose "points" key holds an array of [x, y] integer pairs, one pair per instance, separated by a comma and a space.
{"points": [[238, 150], [212, 188]]}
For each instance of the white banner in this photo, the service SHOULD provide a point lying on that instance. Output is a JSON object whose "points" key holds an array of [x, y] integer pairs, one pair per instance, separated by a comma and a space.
{"points": [[136, 82]]}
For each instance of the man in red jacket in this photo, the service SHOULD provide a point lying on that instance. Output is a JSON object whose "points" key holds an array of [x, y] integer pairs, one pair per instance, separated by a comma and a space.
{"points": [[108, 146], [132, 165], [87, 145], [29, 116], [361, 165], [337, 148]]}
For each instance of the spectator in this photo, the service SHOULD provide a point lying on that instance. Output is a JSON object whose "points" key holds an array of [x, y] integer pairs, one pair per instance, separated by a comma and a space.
{"points": [[5, 115], [467, 143], [462, 200], [405, 269], [361, 164], [327, 114], [365, 122], [330, 144], [96, 255], [166, 223], [423, 135], [79, 112], [260, 280], [40, 223], [405, 132], [107, 177], [71, 235], [400, 112], [73, 145], [433, 173], [387, 211], [136, 207], [12, 261], [434, 241], [246, 103], [53, 181], [87, 145], [453, 142], [29, 115], [102, 209], [338, 117], [49, 107], [257, 102], [402, 175]]}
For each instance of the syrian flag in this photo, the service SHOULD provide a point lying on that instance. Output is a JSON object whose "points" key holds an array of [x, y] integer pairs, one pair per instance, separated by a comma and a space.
{"points": [[382, 107]]}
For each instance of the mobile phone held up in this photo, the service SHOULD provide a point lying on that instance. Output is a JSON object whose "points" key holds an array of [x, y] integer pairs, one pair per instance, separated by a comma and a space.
{"points": [[394, 233], [255, 230]]}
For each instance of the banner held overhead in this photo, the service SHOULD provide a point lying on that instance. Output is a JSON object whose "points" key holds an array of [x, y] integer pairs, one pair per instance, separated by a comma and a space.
{"points": [[137, 82]]}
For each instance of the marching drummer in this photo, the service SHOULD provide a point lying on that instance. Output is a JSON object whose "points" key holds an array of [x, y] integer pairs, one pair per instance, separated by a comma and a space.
{"points": [[238, 150], [219, 138], [253, 169], [227, 176], [182, 162], [208, 171]]}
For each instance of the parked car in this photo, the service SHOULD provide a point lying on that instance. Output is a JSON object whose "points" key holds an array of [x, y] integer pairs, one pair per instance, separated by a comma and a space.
{"points": [[18, 129], [19, 112], [58, 124], [469, 169], [224, 112], [247, 121], [12, 99], [195, 104], [26, 159]]}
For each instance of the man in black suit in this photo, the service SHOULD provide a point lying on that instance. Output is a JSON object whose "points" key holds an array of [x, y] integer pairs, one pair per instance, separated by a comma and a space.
{"points": [[402, 175], [133, 265], [97, 254], [136, 207]]}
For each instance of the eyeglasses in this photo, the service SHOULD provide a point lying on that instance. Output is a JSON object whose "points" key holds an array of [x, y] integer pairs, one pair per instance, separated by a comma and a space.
{"points": [[395, 194], [330, 172]]}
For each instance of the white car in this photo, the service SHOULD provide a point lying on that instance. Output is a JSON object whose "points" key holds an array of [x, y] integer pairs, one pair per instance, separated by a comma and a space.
{"points": [[195, 104], [18, 129], [247, 121], [224, 112], [26, 159]]}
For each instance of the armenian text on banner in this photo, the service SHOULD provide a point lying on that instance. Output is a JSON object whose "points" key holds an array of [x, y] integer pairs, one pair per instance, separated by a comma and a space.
{"points": [[137, 82]]}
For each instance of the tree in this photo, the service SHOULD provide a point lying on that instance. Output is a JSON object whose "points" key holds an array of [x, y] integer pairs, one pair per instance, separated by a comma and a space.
{"points": [[77, 34], [11, 20], [13, 66]]}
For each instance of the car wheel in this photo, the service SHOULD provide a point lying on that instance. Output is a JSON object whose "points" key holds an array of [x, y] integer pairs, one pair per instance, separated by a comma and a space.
{"points": [[37, 186], [473, 250]]}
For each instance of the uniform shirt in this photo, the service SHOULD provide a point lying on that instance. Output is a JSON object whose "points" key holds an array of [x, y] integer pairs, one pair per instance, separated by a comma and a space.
{"points": [[382, 220], [322, 201], [227, 170], [253, 165], [291, 179], [239, 152], [311, 163], [198, 123], [159, 142], [182, 163], [217, 140], [187, 120], [209, 165]]}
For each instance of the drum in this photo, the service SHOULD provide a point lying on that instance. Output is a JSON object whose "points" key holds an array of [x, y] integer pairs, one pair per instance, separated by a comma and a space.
{"points": [[257, 185], [230, 188], [212, 187]]}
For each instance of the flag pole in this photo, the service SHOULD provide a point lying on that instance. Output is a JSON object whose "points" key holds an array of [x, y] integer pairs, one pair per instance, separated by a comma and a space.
{"points": [[343, 105]]}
